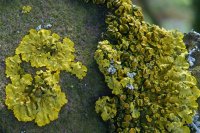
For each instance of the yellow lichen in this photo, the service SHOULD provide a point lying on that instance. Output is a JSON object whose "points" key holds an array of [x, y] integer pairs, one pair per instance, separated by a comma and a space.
{"points": [[146, 69], [26, 9], [106, 107], [38, 96]]}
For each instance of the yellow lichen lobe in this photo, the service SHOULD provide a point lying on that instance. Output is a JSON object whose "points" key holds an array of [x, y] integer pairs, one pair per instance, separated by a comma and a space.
{"points": [[26, 9], [38, 96]]}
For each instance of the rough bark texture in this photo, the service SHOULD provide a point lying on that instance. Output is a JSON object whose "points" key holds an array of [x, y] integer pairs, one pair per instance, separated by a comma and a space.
{"points": [[192, 41]]}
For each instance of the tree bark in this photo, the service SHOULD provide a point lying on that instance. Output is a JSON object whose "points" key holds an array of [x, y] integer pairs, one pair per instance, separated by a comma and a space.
{"points": [[192, 42]]}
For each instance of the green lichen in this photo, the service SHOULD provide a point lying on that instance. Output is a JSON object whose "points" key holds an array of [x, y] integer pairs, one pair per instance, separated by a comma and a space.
{"points": [[146, 69], [38, 96]]}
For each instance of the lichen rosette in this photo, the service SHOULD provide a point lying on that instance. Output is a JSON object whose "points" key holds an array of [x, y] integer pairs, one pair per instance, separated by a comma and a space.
{"points": [[43, 49], [37, 95], [39, 98]]}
